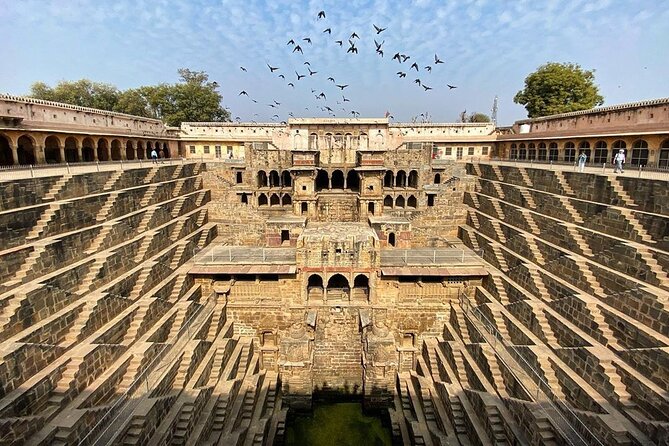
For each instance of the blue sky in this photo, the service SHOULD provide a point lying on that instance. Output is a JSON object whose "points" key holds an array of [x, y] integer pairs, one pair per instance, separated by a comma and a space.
{"points": [[488, 46]]}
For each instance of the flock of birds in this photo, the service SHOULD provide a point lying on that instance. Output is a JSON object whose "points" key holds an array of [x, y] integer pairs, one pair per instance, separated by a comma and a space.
{"points": [[328, 107]]}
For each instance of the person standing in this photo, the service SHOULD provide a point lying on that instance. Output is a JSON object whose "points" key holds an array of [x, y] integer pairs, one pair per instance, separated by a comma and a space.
{"points": [[154, 156], [581, 161], [619, 160]]}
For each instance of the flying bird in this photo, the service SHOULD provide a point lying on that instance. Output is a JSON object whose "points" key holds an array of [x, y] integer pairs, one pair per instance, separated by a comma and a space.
{"points": [[308, 40], [307, 63], [428, 68], [414, 65], [271, 68], [378, 45], [298, 48], [342, 87], [401, 74], [340, 42], [450, 87], [243, 93], [291, 84], [254, 101], [282, 76], [322, 95], [300, 76], [327, 30], [331, 79], [275, 116], [291, 42], [397, 56], [354, 36], [426, 87], [437, 60], [311, 73], [379, 52], [242, 68], [271, 105], [355, 113], [321, 15], [291, 115], [346, 99], [328, 109], [379, 30], [404, 57], [352, 48], [277, 103], [417, 81]]}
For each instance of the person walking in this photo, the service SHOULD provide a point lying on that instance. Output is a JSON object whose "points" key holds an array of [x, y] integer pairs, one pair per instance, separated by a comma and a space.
{"points": [[154, 156], [581, 161], [619, 160]]}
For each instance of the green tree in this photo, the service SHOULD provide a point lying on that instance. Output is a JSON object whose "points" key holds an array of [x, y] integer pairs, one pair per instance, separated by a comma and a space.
{"points": [[473, 117], [559, 88], [193, 98]]}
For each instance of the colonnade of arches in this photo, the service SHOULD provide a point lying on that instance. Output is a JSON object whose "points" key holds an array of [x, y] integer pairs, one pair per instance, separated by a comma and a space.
{"points": [[338, 140], [338, 287], [274, 199], [400, 179], [598, 152], [337, 179], [274, 178], [400, 201], [29, 150]]}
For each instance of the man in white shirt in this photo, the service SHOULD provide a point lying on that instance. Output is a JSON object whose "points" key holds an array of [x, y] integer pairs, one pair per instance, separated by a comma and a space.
{"points": [[619, 160]]}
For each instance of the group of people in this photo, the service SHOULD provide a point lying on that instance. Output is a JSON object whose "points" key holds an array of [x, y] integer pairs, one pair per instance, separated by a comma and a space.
{"points": [[618, 161], [155, 155]]}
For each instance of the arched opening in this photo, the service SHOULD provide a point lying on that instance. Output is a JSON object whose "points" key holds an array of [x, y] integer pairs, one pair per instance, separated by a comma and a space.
{"points": [[304, 208], [399, 202], [348, 141], [25, 148], [401, 179], [391, 239], [262, 200], [364, 141], [437, 178], [370, 208], [268, 339], [129, 151], [262, 179], [388, 179], [88, 150], [338, 287], [522, 151], [286, 200], [328, 141], [149, 148], [337, 179], [71, 155], [116, 150], [313, 141], [353, 181], [616, 146], [166, 150], [286, 180], [411, 202], [379, 140], [244, 199], [584, 147], [274, 200], [103, 150], [639, 153], [570, 152], [338, 140], [531, 151], [315, 287], [514, 151], [6, 156], [542, 154], [274, 180], [388, 201], [360, 287], [553, 151], [297, 141], [664, 154], [52, 150], [141, 153], [413, 179], [601, 152], [322, 180]]}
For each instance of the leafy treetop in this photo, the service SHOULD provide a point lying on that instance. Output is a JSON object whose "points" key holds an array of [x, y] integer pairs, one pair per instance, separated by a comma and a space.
{"points": [[559, 88]]}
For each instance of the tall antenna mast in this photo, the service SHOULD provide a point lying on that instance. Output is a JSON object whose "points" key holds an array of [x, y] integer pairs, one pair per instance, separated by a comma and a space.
{"points": [[494, 111]]}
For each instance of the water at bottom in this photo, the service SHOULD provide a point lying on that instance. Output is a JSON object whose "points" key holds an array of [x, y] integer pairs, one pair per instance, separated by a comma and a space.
{"points": [[337, 424]]}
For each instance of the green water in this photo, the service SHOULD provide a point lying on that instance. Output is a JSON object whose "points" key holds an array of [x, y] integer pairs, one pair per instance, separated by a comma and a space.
{"points": [[338, 424]]}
